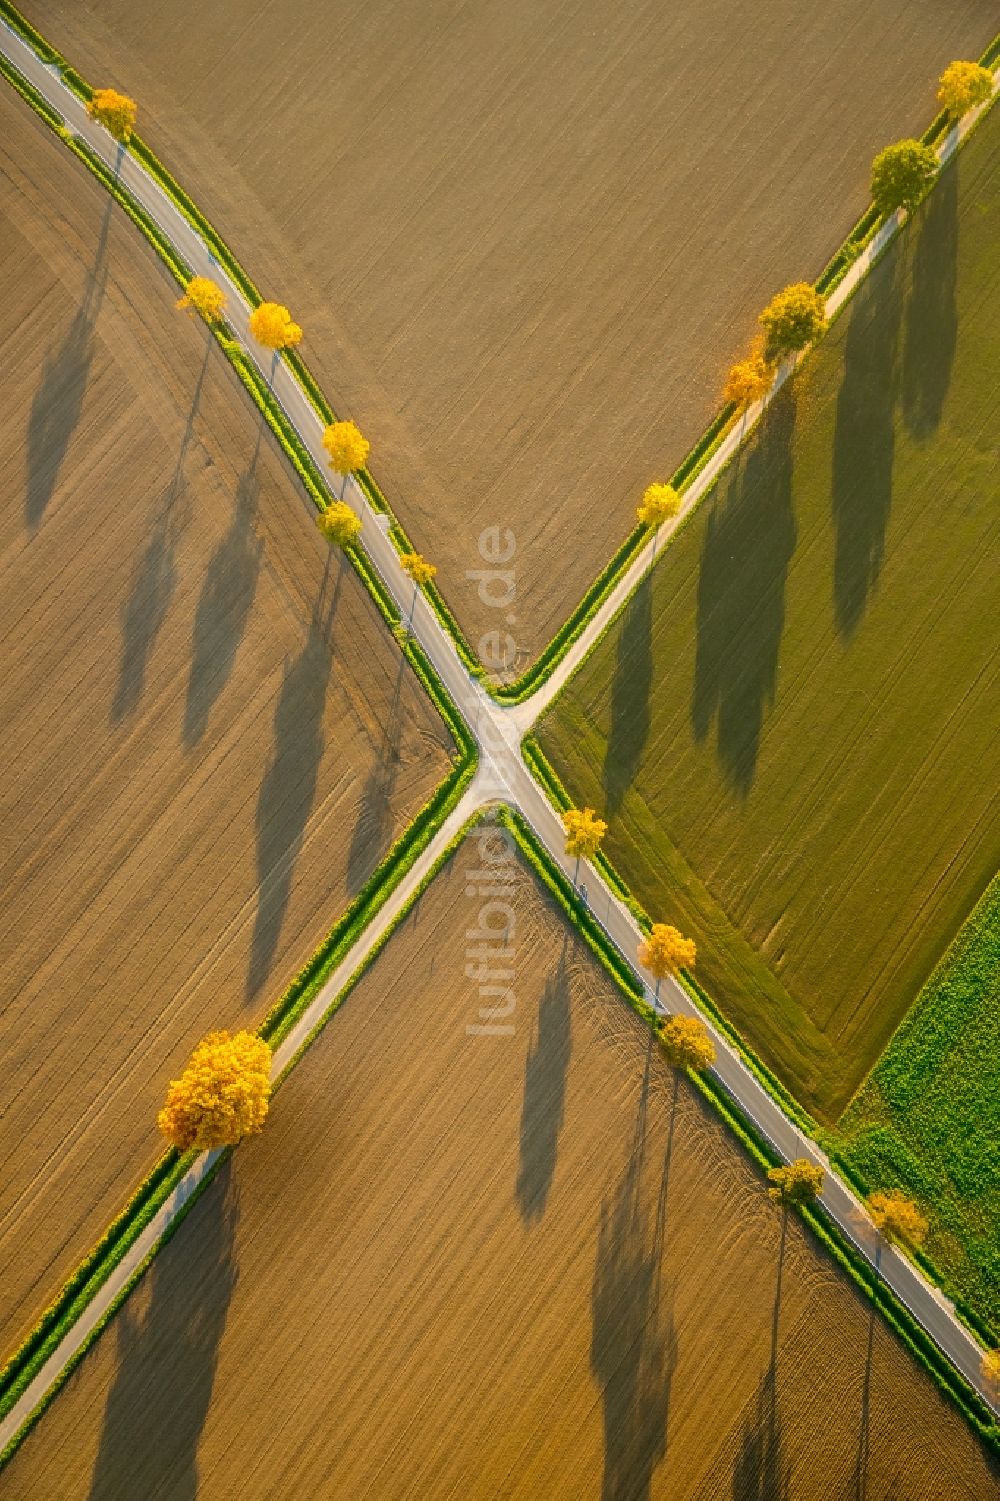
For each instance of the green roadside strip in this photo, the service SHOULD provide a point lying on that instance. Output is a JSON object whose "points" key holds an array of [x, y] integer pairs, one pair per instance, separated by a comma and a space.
{"points": [[168, 1172], [844, 1252], [171, 1170], [552, 654], [543, 770]]}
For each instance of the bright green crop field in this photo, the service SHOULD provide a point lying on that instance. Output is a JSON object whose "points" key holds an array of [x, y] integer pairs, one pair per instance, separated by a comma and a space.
{"points": [[792, 728], [927, 1119]]}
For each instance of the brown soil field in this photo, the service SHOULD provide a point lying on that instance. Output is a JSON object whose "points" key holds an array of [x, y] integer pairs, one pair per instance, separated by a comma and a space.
{"points": [[525, 240], [495, 1266], [208, 740]]}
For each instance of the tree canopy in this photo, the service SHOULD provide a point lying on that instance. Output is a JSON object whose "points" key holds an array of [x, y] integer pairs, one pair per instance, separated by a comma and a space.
{"points": [[116, 112], [417, 566], [347, 447], [584, 831], [666, 950], [222, 1095], [749, 379], [901, 175], [797, 1182], [204, 297], [962, 86], [792, 319], [339, 523], [686, 1042], [659, 503], [271, 325], [897, 1218]]}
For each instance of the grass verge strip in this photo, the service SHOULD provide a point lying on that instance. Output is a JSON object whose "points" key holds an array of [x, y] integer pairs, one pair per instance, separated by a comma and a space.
{"points": [[178, 1165], [553, 653], [160, 1183], [909, 1330]]}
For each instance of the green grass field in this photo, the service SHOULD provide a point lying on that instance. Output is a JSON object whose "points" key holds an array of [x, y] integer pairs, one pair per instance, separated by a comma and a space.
{"points": [[792, 727], [928, 1117]]}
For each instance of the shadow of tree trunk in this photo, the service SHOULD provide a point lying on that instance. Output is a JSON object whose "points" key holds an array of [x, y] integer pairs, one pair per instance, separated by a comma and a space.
{"points": [[861, 1462], [372, 832], [864, 442], [167, 1357], [289, 785], [542, 1109], [932, 310], [762, 1472], [749, 540], [224, 605], [633, 1350], [155, 578], [58, 402], [630, 690]]}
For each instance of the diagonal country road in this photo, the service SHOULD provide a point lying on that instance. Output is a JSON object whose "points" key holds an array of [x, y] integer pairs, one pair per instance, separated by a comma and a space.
{"points": [[501, 776]]}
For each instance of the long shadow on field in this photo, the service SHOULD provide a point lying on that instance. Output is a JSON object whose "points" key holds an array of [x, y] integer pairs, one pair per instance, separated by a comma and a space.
{"points": [[224, 605], [167, 1355], [761, 1472], [633, 1348], [155, 578], [372, 832], [860, 1492], [864, 442], [749, 541], [58, 402], [932, 311], [289, 786], [630, 690], [544, 1093]]}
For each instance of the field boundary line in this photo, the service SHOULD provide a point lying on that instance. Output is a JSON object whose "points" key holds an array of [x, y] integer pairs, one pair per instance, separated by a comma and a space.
{"points": [[502, 773], [198, 1169], [849, 1250]]}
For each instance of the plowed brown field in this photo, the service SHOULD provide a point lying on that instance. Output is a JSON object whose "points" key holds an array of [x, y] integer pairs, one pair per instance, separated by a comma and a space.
{"points": [[207, 743], [493, 1267], [525, 239]]}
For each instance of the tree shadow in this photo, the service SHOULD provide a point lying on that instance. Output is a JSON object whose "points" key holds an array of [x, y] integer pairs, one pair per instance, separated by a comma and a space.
{"points": [[861, 1461], [167, 1357], [761, 1471], [630, 690], [864, 442], [289, 785], [224, 605], [58, 402], [749, 541], [932, 310], [372, 833], [155, 578], [633, 1349], [544, 1100]]}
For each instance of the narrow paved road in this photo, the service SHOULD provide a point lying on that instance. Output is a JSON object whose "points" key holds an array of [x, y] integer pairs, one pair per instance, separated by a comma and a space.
{"points": [[501, 776]]}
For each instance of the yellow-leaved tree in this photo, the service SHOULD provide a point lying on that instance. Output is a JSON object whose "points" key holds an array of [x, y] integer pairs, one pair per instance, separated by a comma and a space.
{"points": [[792, 319], [204, 297], [584, 832], [687, 1043], [221, 1096], [797, 1182], [897, 1219], [420, 571], [664, 951], [962, 86], [116, 112], [990, 1366], [339, 523], [271, 325], [749, 380], [659, 503], [347, 447]]}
